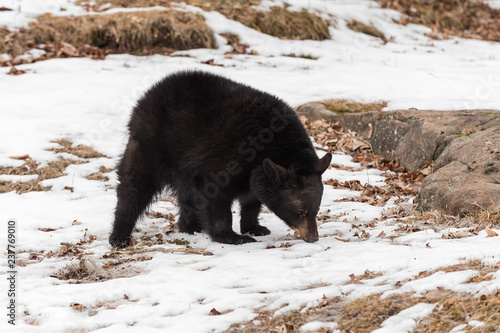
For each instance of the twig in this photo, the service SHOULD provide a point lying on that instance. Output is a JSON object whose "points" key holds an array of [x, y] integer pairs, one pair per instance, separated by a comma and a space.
{"points": [[164, 250]]}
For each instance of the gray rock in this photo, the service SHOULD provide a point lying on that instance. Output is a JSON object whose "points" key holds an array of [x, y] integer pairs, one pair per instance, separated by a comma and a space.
{"points": [[464, 146], [467, 175]]}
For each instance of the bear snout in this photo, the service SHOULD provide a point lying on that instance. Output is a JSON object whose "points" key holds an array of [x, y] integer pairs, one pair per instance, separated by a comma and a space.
{"points": [[307, 231]]}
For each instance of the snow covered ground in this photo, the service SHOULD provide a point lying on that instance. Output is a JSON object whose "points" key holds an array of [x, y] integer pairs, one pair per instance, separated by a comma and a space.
{"points": [[89, 102]]}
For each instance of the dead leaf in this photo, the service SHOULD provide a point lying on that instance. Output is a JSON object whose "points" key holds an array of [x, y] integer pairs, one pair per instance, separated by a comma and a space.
{"points": [[457, 234], [354, 279], [342, 240], [22, 157], [382, 234], [63, 250], [77, 306], [75, 222], [490, 233], [214, 312], [69, 188], [426, 171], [47, 229], [421, 275], [68, 50], [15, 71]]}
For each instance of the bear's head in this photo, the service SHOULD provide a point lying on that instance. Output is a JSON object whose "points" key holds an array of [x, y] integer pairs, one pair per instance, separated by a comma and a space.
{"points": [[293, 197]]}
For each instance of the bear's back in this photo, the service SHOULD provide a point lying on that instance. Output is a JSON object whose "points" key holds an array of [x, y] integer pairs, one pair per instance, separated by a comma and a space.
{"points": [[204, 121]]}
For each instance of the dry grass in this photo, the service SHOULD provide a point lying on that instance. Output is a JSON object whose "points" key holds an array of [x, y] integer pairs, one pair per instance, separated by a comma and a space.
{"points": [[365, 29], [99, 175], [267, 322], [344, 105], [81, 151], [53, 169], [136, 33], [368, 275], [454, 309], [463, 18], [366, 314], [28, 168], [23, 187], [73, 271], [56, 168], [278, 22], [487, 216], [282, 23], [484, 271]]}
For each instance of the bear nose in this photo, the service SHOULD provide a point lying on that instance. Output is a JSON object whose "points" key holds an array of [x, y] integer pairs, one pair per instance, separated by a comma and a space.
{"points": [[311, 238]]}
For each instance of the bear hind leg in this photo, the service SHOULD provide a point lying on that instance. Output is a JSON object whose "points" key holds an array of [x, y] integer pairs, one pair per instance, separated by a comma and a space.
{"points": [[138, 185]]}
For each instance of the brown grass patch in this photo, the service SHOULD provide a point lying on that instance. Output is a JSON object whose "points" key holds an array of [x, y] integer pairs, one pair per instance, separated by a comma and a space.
{"points": [[365, 29], [368, 275], [73, 271], [344, 105], [487, 216], [475, 222], [366, 314], [278, 22], [23, 187], [137, 33], [99, 175], [484, 271], [87, 271], [267, 322], [282, 23], [462, 18], [81, 151], [454, 309], [56, 168], [28, 168]]}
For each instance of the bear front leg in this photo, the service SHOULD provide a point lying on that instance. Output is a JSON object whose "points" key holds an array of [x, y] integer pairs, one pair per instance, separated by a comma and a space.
{"points": [[219, 226], [249, 223]]}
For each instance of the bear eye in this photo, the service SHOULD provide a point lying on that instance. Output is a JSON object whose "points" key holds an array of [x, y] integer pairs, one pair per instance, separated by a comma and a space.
{"points": [[301, 213]]}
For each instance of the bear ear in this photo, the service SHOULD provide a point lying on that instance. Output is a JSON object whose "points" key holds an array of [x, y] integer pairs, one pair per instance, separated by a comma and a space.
{"points": [[273, 171], [323, 163]]}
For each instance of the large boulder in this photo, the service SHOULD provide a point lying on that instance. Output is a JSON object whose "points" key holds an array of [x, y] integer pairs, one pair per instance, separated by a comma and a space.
{"points": [[467, 175], [463, 145]]}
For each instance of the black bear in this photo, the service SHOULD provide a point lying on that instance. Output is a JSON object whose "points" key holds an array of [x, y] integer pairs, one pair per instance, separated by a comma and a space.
{"points": [[210, 141]]}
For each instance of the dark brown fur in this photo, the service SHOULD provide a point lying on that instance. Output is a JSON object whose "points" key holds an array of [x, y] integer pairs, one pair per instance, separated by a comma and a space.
{"points": [[210, 141]]}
